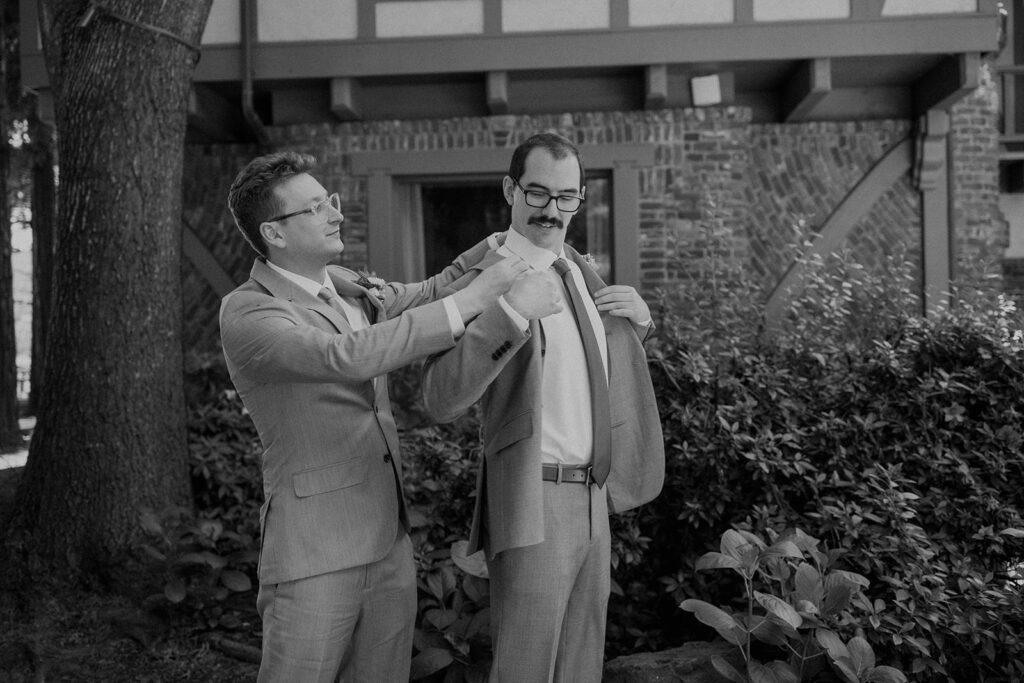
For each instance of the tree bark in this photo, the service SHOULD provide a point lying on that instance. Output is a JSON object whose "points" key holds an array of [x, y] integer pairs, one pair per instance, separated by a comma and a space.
{"points": [[110, 432], [44, 204], [10, 436]]}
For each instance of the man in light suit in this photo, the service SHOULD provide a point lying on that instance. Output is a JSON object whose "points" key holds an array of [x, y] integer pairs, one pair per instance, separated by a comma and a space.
{"points": [[543, 493], [307, 347]]}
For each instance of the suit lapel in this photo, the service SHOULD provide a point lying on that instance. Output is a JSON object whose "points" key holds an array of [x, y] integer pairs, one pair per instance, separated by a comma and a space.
{"points": [[283, 288], [369, 303]]}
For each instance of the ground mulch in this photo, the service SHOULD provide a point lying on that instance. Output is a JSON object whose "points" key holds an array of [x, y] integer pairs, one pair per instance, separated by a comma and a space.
{"points": [[59, 633]]}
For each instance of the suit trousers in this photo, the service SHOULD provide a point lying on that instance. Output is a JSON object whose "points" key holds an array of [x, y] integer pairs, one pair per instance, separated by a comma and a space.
{"points": [[350, 625], [549, 601]]}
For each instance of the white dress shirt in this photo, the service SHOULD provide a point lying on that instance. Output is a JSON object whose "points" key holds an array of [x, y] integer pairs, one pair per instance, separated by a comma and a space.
{"points": [[567, 423]]}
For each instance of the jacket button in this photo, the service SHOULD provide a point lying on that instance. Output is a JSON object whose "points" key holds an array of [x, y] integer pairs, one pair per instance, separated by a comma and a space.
{"points": [[387, 457]]}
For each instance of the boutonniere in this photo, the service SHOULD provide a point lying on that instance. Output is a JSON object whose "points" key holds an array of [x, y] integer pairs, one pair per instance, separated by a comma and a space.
{"points": [[372, 283], [590, 261]]}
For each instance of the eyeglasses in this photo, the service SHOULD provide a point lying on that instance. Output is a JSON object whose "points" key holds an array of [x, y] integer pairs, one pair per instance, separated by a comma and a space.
{"points": [[318, 210], [540, 200]]}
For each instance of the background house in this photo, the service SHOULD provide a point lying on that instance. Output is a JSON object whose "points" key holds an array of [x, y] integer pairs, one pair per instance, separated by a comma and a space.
{"points": [[749, 128]]}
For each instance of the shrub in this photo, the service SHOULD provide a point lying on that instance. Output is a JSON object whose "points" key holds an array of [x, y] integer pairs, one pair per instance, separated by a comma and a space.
{"points": [[892, 438], [801, 603]]}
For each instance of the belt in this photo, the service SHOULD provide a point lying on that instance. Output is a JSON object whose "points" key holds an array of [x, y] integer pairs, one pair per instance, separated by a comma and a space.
{"points": [[562, 474]]}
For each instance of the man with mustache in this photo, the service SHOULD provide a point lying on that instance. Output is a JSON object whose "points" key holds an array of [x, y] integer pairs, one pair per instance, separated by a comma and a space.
{"points": [[569, 422], [308, 347]]}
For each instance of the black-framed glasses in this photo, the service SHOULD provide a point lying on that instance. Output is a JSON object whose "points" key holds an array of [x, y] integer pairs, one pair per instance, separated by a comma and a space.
{"points": [[540, 200], [319, 210]]}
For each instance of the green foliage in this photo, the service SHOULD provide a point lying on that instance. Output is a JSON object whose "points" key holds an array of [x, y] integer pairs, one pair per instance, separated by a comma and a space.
{"points": [[796, 604], [224, 449], [200, 566], [893, 438], [452, 638]]}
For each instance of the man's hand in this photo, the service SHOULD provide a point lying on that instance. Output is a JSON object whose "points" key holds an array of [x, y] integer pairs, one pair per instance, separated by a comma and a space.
{"points": [[535, 295], [622, 301], [485, 289]]}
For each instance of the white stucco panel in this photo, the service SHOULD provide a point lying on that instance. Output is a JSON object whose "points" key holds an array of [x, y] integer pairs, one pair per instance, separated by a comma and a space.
{"points": [[429, 18], [800, 10], [306, 20], [224, 23], [663, 12], [897, 7], [545, 15]]}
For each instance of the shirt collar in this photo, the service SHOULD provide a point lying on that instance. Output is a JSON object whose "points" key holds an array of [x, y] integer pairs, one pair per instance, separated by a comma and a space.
{"points": [[311, 286], [536, 257]]}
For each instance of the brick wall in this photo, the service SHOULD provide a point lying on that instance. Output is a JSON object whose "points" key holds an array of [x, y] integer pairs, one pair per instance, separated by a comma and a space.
{"points": [[747, 194]]}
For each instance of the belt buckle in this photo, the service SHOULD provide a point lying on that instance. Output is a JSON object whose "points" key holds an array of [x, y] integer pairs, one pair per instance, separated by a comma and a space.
{"points": [[590, 476], [558, 477]]}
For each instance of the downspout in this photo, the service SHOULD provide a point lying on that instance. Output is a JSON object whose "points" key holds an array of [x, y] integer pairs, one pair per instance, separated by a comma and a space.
{"points": [[248, 38]]}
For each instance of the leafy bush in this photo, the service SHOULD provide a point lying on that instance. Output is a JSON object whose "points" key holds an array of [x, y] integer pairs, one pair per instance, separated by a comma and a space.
{"points": [[803, 606], [893, 438], [202, 567]]}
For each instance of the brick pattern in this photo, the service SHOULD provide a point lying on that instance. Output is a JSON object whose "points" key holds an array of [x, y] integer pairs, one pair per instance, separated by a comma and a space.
{"points": [[981, 232], [722, 190]]}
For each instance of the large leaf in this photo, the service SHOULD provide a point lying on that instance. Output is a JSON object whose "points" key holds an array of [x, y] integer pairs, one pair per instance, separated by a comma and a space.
{"points": [[783, 671], [809, 585], [175, 591], [235, 580], [717, 561], [726, 669], [759, 673], [785, 548], [429, 661], [885, 674], [832, 643], [767, 631], [474, 565], [721, 621], [861, 653], [780, 608]]}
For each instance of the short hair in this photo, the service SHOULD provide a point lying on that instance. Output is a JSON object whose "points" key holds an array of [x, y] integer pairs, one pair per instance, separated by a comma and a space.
{"points": [[251, 198], [558, 146]]}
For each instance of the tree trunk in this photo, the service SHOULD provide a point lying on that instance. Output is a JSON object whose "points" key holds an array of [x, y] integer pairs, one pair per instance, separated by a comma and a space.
{"points": [[44, 204], [110, 432], [10, 84], [10, 436]]}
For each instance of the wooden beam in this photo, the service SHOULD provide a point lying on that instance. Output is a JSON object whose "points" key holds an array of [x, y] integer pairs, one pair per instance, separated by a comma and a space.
{"points": [[205, 262], [655, 86], [932, 177], [345, 99], [811, 83], [896, 162], [948, 81], [670, 45], [497, 92]]}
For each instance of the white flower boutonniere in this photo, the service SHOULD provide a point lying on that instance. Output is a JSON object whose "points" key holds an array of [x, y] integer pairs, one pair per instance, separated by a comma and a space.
{"points": [[591, 261], [372, 283]]}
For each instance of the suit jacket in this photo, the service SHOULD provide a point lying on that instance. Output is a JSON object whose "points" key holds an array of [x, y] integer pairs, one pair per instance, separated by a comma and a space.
{"points": [[332, 468], [500, 365]]}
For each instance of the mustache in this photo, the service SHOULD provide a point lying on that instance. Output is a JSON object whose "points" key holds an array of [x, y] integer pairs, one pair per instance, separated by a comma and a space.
{"points": [[546, 222]]}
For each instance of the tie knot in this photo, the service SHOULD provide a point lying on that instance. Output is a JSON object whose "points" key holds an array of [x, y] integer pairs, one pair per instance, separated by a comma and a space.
{"points": [[326, 294], [561, 266]]}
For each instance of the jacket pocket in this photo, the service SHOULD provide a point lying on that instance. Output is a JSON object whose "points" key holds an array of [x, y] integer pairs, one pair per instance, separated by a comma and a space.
{"points": [[329, 477], [516, 429]]}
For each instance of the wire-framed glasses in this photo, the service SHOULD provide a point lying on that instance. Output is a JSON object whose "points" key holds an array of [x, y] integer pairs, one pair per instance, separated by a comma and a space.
{"points": [[319, 210], [540, 200]]}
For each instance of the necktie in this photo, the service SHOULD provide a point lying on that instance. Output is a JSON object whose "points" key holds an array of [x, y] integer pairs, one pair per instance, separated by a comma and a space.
{"points": [[334, 301], [599, 403]]}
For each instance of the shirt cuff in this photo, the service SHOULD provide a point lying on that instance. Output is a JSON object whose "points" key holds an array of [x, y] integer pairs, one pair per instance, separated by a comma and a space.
{"points": [[454, 317], [646, 323], [517, 319]]}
